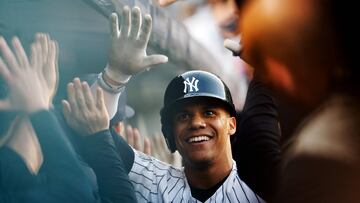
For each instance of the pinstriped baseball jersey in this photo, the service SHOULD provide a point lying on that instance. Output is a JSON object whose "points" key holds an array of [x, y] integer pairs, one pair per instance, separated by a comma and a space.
{"points": [[155, 181]]}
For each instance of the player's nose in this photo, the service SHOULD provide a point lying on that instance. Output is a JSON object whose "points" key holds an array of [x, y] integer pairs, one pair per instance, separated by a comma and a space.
{"points": [[197, 121]]}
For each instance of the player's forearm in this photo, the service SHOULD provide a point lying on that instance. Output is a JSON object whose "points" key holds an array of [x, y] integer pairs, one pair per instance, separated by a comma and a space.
{"points": [[110, 98], [101, 154]]}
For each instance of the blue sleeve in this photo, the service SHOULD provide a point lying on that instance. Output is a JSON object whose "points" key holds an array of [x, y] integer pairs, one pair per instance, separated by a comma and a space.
{"points": [[101, 154], [256, 144], [124, 150], [62, 178]]}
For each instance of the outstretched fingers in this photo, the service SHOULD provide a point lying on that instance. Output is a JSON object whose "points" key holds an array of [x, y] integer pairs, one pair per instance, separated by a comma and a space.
{"points": [[20, 53], [137, 139], [79, 94], [51, 72], [49, 52], [130, 135], [135, 23], [43, 40], [100, 102], [89, 99], [38, 55], [114, 26], [125, 22], [33, 55], [147, 146], [4, 71], [66, 110], [8, 56], [71, 96], [145, 31]]}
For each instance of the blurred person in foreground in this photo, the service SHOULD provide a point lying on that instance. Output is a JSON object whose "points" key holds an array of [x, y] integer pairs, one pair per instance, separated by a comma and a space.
{"points": [[31, 139], [306, 51]]}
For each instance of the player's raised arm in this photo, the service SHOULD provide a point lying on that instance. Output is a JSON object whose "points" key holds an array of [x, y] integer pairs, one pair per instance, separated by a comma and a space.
{"points": [[129, 37]]}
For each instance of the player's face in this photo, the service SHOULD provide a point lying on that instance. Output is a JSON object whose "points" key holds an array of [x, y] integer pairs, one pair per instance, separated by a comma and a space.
{"points": [[202, 131]]}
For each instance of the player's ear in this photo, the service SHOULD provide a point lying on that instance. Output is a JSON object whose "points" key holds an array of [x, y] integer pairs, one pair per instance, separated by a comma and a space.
{"points": [[232, 125]]}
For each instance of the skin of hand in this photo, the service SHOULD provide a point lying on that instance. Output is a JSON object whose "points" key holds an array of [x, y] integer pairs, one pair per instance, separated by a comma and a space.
{"points": [[164, 3], [133, 138], [50, 63], [160, 151], [154, 146], [31, 88], [236, 49], [83, 112], [128, 44]]}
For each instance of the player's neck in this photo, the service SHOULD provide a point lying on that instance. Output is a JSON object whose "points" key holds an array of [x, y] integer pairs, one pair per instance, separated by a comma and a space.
{"points": [[206, 177]]}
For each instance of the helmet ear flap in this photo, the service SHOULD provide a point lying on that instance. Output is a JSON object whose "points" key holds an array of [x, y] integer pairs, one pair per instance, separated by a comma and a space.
{"points": [[170, 141], [167, 131]]}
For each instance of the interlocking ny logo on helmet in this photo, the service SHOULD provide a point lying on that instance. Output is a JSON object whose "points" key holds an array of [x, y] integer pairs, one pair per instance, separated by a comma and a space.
{"points": [[189, 85]]}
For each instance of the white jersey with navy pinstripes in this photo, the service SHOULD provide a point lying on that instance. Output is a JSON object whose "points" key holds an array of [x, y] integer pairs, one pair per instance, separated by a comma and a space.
{"points": [[155, 181]]}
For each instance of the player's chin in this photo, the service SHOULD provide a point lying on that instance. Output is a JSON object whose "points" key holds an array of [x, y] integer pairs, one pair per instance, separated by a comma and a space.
{"points": [[200, 158]]}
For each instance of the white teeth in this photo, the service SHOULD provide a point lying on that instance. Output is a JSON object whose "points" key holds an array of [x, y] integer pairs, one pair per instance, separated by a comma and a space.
{"points": [[198, 139]]}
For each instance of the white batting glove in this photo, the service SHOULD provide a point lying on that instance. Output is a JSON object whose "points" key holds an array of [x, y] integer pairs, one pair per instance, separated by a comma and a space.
{"points": [[128, 45]]}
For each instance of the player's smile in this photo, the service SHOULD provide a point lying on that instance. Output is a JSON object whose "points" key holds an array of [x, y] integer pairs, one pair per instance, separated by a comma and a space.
{"points": [[199, 136], [198, 139]]}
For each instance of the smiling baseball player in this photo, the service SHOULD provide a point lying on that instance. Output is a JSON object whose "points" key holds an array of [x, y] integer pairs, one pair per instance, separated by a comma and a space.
{"points": [[198, 119]]}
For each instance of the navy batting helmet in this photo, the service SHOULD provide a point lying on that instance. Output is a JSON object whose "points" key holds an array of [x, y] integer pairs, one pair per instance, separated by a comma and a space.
{"points": [[190, 85]]}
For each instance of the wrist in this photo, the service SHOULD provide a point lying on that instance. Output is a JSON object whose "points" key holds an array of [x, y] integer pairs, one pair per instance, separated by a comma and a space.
{"points": [[104, 83], [35, 107], [115, 77]]}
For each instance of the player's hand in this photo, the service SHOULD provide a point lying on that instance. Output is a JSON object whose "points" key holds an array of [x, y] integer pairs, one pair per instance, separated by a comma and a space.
{"points": [[50, 64], [133, 138], [164, 3], [83, 112], [234, 47], [128, 44], [161, 151], [30, 87]]}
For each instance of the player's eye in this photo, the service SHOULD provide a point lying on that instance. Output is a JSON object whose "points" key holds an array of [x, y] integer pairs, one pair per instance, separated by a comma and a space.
{"points": [[182, 116], [209, 113]]}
